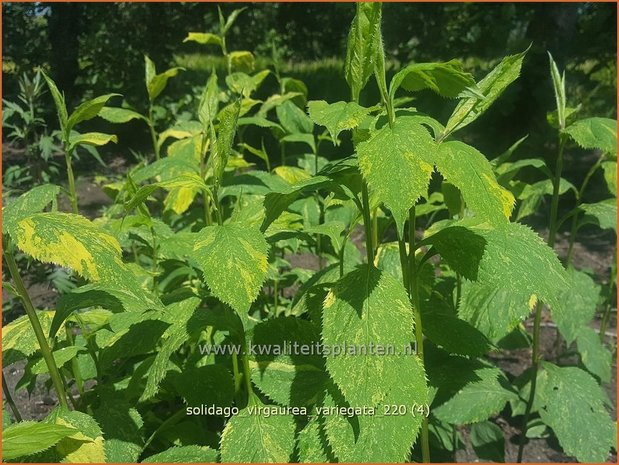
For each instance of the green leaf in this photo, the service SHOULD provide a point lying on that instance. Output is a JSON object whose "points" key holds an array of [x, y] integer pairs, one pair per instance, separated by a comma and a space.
{"points": [[226, 130], [369, 438], [470, 171], [174, 337], [511, 266], [242, 61], [467, 390], [362, 47], [204, 38], [29, 437], [232, 18], [18, 339], [603, 213], [446, 79], [233, 259], [90, 138], [336, 117], [572, 404], [369, 308], [119, 115], [32, 201], [84, 446], [576, 305], [442, 326], [311, 444], [209, 102], [307, 139], [397, 163], [184, 454], [251, 437], [610, 175], [491, 86], [71, 241], [155, 83], [87, 110], [293, 379], [61, 106], [488, 441], [595, 133], [558, 84], [61, 356], [596, 358], [121, 425], [208, 384], [293, 119]]}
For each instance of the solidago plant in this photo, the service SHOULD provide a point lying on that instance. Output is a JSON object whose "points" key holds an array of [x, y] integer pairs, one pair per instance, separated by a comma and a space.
{"points": [[197, 253]]}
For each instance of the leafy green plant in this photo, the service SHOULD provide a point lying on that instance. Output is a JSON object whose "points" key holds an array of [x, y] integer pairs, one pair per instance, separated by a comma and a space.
{"points": [[180, 339], [72, 139], [28, 131]]}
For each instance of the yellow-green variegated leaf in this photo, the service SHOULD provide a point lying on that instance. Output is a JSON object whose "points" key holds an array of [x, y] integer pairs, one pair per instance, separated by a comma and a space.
{"points": [[84, 446], [242, 61], [370, 308], [446, 79], [155, 83], [252, 437], [204, 38], [511, 268], [233, 259], [119, 115], [397, 163], [32, 201], [610, 175], [61, 106], [88, 110], [572, 403], [71, 241], [28, 437], [336, 117], [470, 171], [363, 46], [595, 133], [18, 339], [491, 86], [90, 138]]}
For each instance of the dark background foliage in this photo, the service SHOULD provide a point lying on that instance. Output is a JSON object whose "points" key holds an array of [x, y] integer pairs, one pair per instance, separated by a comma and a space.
{"points": [[95, 48]]}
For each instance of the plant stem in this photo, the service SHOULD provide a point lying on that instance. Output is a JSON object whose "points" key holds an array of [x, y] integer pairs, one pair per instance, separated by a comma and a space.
{"points": [[367, 223], [535, 356], [71, 180], [556, 183], [247, 374], [9, 399], [414, 294], [168, 422], [235, 371], [579, 196], [153, 133], [36, 326]]}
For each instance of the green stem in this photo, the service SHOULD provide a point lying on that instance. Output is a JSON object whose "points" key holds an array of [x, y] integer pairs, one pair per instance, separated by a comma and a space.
{"points": [[575, 218], [247, 374], [367, 223], [535, 356], [154, 264], [168, 422], [554, 206], [9, 399], [235, 371], [275, 294], [411, 284], [535, 368], [414, 295], [79, 382], [71, 181], [153, 133], [220, 220], [36, 326]]}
